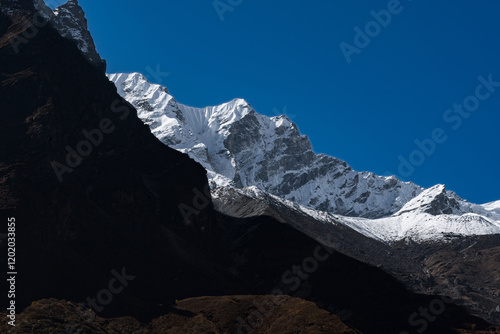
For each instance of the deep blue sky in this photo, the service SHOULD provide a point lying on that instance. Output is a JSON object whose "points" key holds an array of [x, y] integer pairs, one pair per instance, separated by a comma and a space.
{"points": [[283, 56]]}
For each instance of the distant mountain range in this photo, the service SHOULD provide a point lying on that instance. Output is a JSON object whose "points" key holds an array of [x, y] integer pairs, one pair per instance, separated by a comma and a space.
{"points": [[240, 148]]}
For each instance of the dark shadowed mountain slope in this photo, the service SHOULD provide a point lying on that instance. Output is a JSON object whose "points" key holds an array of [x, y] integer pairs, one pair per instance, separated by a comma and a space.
{"points": [[117, 208], [274, 256], [114, 212], [465, 268]]}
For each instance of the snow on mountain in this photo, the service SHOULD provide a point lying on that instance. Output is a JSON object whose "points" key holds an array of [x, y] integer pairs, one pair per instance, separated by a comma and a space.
{"points": [[415, 221], [421, 226], [434, 201], [493, 207], [434, 214], [241, 148], [200, 132], [267, 157]]}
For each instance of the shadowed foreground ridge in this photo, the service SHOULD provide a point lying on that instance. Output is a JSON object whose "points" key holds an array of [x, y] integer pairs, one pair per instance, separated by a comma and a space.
{"points": [[117, 211]]}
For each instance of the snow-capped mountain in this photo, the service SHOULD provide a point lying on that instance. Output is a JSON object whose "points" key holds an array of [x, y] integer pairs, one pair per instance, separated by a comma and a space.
{"points": [[492, 206], [433, 214], [240, 148]]}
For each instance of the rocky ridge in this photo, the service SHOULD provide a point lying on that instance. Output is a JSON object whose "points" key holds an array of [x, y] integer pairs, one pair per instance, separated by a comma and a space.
{"points": [[240, 148], [69, 20]]}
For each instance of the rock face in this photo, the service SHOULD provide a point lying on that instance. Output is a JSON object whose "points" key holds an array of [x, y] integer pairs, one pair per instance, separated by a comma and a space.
{"points": [[69, 20], [241, 148]]}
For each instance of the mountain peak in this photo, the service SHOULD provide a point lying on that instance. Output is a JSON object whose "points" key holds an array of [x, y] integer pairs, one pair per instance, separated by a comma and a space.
{"points": [[241, 147], [75, 10], [283, 120], [70, 21], [239, 101], [434, 200]]}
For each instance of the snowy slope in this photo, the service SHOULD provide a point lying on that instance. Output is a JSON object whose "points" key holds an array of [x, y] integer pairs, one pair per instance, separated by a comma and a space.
{"points": [[241, 148], [434, 214], [421, 226], [414, 221], [492, 207], [198, 132], [267, 156]]}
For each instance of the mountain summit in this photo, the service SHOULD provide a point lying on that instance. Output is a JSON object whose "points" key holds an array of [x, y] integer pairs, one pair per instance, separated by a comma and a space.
{"points": [[241, 148], [69, 20]]}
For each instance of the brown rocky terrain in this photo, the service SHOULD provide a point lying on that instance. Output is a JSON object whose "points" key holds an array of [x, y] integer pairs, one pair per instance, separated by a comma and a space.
{"points": [[466, 269], [217, 315]]}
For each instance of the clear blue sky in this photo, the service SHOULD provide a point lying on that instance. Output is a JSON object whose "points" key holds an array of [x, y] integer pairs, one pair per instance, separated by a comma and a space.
{"points": [[287, 53]]}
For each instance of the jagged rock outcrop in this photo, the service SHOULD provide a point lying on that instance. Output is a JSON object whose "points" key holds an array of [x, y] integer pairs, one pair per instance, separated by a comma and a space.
{"points": [[69, 20]]}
